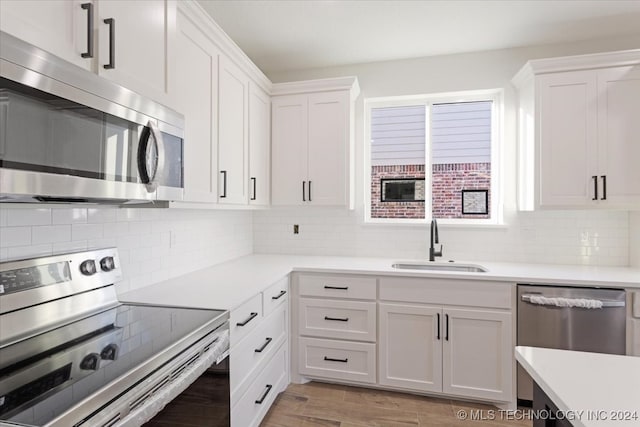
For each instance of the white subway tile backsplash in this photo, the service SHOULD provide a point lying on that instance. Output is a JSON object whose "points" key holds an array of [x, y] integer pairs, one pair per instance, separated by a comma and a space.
{"points": [[51, 234], [69, 216], [15, 236], [556, 237], [27, 217], [143, 237], [86, 231]]}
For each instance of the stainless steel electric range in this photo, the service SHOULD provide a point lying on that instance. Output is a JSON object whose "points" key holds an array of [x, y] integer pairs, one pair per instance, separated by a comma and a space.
{"points": [[72, 355]]}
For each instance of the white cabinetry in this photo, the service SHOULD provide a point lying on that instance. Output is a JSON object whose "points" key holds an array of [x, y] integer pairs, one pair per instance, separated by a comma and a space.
{"points": [[633, 323], [135, 44], [336, 334], [57, 26], [194, 92], [578, 131], [452, 348], [259, 354], [312, 143], [127, 42], [259, 144], [233, 138]]}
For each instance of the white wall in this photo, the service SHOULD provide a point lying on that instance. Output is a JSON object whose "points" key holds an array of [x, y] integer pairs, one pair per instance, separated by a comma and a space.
{"points": [[596, 238], [153, 244], [634, 239]]}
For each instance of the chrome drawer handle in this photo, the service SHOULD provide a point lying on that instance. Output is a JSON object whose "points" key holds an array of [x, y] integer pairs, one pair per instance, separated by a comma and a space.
{"points": [[264, 396], [340, 288], [249, 319], [279, 295], [337, 319], [259, 350], [330, 359]]}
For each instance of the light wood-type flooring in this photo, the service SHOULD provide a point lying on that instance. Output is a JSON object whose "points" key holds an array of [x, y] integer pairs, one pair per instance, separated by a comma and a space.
{"points": [[327, 405]]}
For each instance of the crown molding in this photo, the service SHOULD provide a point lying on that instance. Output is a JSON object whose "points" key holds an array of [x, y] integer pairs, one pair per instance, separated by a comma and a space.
{"points": [[320, 85]]}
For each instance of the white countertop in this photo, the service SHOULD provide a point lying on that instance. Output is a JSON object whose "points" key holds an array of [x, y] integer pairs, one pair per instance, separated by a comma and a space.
{"points": [[227, 285], [580, 382]]}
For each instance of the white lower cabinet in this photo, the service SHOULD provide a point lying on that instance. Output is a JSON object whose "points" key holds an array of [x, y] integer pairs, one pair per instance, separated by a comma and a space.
{"points": [[449, 336], [410, 347], [259, 354]]}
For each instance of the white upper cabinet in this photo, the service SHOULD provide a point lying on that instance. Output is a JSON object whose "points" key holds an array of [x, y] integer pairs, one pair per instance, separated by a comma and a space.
{"points": [[128, 42], [194, 92], [578, 121], [135, 41], [233, 138], [619, 135], [312, 143], [289, 150], [60, 27], [259, 144], [328, 151]]}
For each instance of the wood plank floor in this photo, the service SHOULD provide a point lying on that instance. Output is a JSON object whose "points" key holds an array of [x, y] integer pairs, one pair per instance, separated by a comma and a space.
{"points": [[328, 405]]}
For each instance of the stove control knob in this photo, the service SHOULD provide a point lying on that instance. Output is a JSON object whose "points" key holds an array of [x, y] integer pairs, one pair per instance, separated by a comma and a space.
{"points": [[110, 352], [107, 263], [91, 362], [88, 267]]}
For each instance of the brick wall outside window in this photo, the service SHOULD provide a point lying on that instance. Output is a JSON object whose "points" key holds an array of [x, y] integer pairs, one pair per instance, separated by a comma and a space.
{"points": [[448, 181]]}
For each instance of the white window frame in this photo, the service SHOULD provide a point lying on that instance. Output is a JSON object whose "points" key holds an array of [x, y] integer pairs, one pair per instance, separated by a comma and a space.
{"points": [[497, 187]]}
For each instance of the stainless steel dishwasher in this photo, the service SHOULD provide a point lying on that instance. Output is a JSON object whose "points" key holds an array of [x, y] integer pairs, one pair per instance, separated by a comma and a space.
{"points": [[569, 318]]}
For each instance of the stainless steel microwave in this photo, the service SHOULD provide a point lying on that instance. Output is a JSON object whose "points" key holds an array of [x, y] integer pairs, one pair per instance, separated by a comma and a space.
{"points": [[68, 135]]}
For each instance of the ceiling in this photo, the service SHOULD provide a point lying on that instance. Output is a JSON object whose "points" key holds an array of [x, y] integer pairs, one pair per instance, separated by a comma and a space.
{"points": [[298, 34]]}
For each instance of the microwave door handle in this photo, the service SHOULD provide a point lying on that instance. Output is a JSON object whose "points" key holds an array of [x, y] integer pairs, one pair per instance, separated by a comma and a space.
{"points": [[149, 174]]}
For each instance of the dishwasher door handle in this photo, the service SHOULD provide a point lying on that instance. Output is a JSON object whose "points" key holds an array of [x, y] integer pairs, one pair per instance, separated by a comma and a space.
{"points": [[605, 303]]}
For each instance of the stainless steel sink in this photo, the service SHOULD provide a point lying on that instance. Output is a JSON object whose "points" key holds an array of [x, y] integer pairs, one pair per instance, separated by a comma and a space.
{"points": [[439, 267]]}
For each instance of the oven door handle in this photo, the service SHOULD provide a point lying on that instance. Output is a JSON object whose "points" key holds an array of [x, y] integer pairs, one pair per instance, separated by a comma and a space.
{"points": [[563, 302]]}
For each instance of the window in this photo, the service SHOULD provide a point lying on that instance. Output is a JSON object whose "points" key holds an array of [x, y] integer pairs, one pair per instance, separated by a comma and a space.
{"points": [[433, 156]]}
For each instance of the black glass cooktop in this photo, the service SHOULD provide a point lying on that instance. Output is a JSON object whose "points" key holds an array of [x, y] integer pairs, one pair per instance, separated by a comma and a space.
{"points": [[43, 376]]}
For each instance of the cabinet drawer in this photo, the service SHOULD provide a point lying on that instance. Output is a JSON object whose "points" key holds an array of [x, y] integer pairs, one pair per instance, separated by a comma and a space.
{"points": [[275, 295], [354, 320], [341, 360], [337, 286], [255, 349], [244, 319], [254, 404], [447, 292]]}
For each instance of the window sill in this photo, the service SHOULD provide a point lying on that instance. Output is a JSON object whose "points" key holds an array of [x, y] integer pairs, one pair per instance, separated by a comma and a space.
{"points": [[441, 224]]}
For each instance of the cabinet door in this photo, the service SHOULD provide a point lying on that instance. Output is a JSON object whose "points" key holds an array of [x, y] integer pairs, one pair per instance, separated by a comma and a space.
{"points": [[568, 138], [233, 141], [259, 144], [619, 140], [410, 347], [194, 92], [143, 31], [57, 26], [328, 148], [477, 354], [289, 150]]}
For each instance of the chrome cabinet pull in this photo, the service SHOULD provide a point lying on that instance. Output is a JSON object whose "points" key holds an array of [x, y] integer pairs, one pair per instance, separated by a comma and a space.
{"points": [[280, 295], [438, 327], [89, 8], [309, 190], [264, 396], [340, 288], [112, 43], [261, 349], [330, 359], [595, 187], [337, 319], [604, 187], [304, 199], [249, 319]]}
